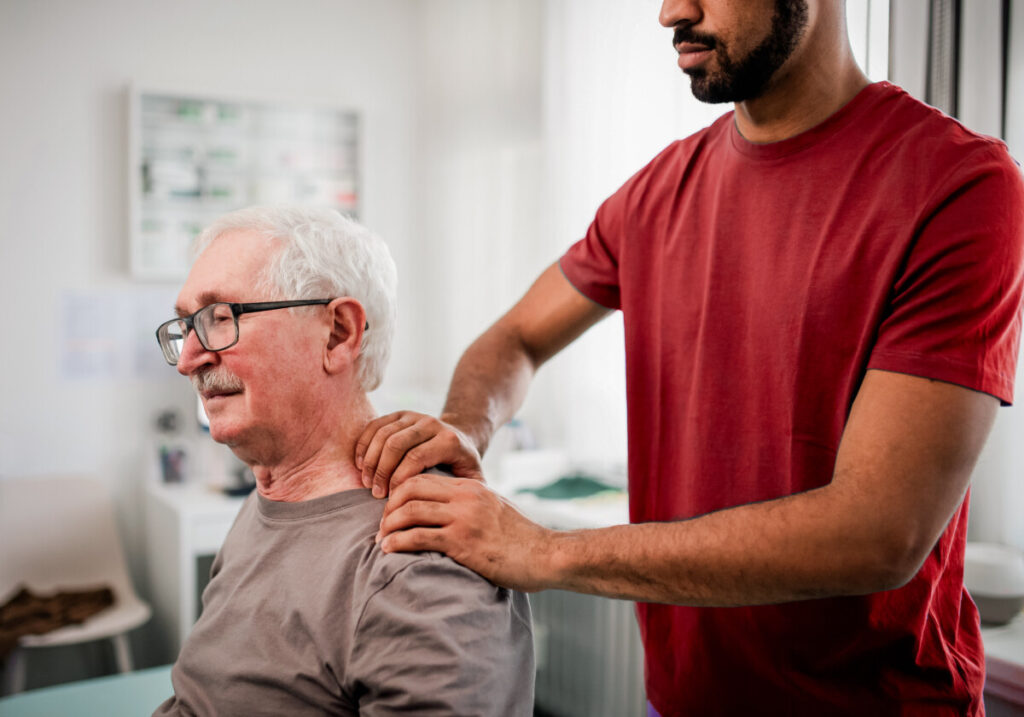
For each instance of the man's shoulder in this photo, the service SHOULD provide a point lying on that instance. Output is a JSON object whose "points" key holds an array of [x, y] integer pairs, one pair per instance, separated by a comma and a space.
{"points": [[431, 571], [902, 147], [679, 152], [430, 590], [918, 129], [663, 172]]}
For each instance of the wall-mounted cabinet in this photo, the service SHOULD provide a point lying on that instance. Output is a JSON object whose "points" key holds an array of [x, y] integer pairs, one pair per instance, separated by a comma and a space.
{"points": [[194, 158]]}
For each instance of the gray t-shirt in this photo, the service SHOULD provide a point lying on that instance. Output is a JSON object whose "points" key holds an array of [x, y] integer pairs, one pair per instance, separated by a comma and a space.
{"points": [[304, 615]]}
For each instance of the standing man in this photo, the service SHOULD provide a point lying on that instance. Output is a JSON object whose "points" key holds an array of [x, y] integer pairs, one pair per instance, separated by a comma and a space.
{"points": [[821, 294]]}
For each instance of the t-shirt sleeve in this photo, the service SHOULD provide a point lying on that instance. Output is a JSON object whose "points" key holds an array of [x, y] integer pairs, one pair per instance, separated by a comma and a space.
{"points": [[954, 313], [438, 639], [592, 264]]}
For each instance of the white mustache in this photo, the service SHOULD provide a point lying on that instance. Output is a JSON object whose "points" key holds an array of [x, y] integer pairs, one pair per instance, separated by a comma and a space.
{"points": [[222, 381]]}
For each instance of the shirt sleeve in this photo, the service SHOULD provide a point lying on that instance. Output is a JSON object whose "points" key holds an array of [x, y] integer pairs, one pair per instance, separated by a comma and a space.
{"points": [[438, 639], [954, 313], [592, 265]]}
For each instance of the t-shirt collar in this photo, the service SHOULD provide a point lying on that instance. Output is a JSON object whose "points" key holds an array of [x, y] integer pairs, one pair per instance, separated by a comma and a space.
{"points": [[836, 122]]}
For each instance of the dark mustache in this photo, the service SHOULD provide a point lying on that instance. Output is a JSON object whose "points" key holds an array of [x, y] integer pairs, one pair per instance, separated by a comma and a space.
{"points": [[685, 33]]}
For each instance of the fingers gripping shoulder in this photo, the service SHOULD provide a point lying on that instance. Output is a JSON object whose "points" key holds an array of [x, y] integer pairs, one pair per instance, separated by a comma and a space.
{"points": [[396, 447]]}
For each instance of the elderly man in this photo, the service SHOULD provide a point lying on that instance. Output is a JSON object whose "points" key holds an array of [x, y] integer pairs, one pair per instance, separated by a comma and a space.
{"points": [[284, 324]]}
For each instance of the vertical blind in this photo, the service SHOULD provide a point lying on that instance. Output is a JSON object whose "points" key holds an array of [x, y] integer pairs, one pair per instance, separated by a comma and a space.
{"points": [[943, 55]]}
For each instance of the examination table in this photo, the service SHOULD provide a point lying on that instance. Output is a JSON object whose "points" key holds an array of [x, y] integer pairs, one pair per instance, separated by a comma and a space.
{"points": [[126, 695]]}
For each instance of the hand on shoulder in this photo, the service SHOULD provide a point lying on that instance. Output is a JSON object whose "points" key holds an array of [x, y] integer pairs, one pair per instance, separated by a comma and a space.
{"points": [[474, 526], [395, 447]]}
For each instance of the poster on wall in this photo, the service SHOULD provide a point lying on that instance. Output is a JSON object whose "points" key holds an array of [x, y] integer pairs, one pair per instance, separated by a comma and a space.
{"points": [[194, 158]]}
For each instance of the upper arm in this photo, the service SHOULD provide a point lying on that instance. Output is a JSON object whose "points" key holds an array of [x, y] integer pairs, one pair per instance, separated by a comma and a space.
{"points": [[905, 461], [439, 639], [954, 317], [953, 310], [550, 316]]}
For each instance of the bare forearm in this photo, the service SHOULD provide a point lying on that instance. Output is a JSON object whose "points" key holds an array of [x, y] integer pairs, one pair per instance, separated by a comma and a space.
{"points": [[489, 385], [789, 549], [492, 377], [902, 470]]}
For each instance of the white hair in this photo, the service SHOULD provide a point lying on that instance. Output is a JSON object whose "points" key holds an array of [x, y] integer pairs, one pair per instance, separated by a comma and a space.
{"points": [[325, 255]]}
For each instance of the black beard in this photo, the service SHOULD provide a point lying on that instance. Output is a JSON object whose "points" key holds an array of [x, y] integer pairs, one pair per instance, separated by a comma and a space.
{"points": [[748, 77]]}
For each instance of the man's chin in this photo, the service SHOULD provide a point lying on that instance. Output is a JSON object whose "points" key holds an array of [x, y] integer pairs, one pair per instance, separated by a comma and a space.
{"points": [[705, 89], [223, 432]]}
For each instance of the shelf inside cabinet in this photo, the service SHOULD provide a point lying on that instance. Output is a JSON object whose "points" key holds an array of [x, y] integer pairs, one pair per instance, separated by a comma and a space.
{"points": [[194, 158]]}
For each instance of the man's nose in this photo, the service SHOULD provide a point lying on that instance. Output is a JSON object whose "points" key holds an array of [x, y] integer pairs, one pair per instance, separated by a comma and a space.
{"points": [[193, 355], [674, 12]]}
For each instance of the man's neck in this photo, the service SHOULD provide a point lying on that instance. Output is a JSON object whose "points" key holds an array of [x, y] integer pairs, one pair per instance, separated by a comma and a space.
{"points": [[314, 478], [811, 87], [323, 466]]}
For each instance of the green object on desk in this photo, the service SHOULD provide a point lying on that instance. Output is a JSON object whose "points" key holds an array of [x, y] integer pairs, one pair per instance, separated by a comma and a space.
{"points": [[127, 695], [572, 486]]}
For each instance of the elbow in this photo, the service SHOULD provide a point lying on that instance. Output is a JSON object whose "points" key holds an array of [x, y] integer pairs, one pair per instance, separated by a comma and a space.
{"points": [[507, 336], [895, 559], [877, 559]]}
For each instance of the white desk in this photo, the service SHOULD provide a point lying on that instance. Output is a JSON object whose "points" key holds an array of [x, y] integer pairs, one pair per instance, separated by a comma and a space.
{"points": [[579, 514], [589, 655], [183, 523]]}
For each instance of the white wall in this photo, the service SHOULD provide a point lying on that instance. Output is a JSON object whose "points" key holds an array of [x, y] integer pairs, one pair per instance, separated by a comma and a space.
{"points": [[478, 172], [908, 62], [613, 98], [1015, 84], [63, 68]]}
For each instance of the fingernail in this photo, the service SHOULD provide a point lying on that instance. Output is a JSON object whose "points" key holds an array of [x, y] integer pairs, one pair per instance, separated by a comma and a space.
{"points": [[359, 462], [378, 491], [376, 538], [385, 545]]}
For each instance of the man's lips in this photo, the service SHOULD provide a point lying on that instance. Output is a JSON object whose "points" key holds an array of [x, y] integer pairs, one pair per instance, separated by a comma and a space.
{"points": [[209, 395], [682, 47], [692, 54]]}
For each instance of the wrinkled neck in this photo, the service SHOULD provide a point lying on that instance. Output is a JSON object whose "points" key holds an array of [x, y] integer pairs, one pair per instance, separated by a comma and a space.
{"points": [[318, 465]]}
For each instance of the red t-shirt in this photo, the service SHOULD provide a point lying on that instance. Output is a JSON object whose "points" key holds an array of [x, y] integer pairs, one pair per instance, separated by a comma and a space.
{"points": [[758, 283]]}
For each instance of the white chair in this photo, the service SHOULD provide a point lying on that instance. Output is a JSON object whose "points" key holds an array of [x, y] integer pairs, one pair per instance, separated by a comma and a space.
{"points": [[58, 532]]}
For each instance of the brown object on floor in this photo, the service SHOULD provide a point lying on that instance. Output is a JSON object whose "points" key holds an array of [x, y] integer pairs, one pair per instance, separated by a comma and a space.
{"points": [[29, 614]]}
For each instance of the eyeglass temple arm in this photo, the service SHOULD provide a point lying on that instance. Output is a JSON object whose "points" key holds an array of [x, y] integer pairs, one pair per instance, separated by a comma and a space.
{"points": [[238, 309]]}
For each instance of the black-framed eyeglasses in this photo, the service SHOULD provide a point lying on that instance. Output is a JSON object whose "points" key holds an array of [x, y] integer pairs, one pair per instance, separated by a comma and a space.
{"points": [[216, 325]]}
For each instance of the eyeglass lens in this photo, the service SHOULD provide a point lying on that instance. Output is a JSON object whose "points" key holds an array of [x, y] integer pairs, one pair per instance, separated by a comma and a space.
{"points": [[215, 326], [172, 339]]}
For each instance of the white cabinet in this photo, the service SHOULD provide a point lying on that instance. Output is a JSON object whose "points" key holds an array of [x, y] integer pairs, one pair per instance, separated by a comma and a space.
{"points": [[184, 523], [193, 158]]}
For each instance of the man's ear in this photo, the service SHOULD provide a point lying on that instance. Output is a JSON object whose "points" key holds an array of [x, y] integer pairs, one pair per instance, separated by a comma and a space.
{"points": [[348, 321]]}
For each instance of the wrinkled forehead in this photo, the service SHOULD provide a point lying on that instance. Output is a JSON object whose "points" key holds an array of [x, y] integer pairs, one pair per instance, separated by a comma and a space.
{"points": [[229, 269]]}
